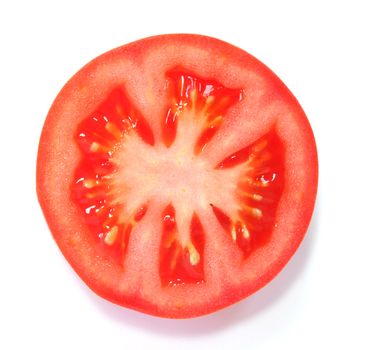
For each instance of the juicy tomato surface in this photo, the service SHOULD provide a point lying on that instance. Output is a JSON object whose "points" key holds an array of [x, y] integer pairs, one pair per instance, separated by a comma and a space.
{"points": [[177, 174]]}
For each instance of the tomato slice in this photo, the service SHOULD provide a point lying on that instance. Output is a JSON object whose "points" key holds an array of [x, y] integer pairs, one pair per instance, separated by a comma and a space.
{"points": [[177, 175]]}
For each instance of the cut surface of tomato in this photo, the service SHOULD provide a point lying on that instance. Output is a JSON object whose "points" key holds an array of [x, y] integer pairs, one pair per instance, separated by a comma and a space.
{"points": [[177, 174]]}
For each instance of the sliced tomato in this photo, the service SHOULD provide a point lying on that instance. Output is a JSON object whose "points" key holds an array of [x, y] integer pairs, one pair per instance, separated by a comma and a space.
{"points": [[177, 174]]}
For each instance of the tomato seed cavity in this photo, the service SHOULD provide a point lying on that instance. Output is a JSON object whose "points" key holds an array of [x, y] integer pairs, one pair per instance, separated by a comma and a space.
{"points": [[123, 167]]}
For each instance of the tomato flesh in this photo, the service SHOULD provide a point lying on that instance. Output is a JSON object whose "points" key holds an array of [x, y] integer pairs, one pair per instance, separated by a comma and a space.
{"points": [[189, 205]]}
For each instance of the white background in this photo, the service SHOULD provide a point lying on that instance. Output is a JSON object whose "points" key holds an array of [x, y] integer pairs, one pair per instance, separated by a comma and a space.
{"points": [[318, 48]]}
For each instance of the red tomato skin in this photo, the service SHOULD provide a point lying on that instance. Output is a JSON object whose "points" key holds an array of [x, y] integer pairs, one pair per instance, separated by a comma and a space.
{"points": [[53, 181]]}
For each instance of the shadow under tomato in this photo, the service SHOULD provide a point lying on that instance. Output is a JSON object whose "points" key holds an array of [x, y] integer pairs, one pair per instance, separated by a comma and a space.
{"points": [[230, 316]]}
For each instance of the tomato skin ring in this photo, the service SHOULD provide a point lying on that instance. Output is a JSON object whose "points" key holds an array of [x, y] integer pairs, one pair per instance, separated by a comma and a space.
{"points": [[58, 154]]}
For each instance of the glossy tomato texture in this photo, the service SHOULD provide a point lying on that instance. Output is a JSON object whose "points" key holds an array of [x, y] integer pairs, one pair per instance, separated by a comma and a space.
{"points": [[177, 174]]}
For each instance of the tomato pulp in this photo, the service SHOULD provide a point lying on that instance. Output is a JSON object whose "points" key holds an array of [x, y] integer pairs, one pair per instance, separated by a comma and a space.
{"points": [[177, 174]]}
